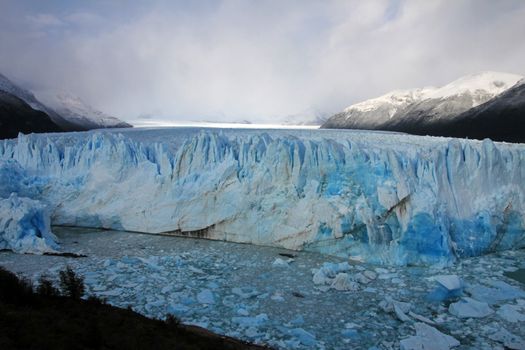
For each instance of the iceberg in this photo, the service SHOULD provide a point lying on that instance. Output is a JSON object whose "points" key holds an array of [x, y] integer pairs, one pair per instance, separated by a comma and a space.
{"points": [[428, 337], [384, 198]]}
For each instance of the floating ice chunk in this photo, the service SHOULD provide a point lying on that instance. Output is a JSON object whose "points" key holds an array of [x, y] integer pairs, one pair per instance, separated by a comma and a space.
{"points": [[245, 292], [508, 339], [398, 308], [499, 291], [25, 226], [298, 320], [451, 282], [343, 281], [381, 271], [242, 312], [321, 278], [428, 338], [352, 325], [304, 337], [361, 278], [178, 310], [448, 287], [332, 269], [386, 276], [278, 262], [277, 297], [328, 273], [154, 304], [129, 260], [350, 333], [399, 313], [421, 318], [257, 321], [206, 296], [371, 275], [212, 285], [468, 307], [152, 263], [187, 300], [252, 332], [387, 305], [510, 313], [196, 270]]}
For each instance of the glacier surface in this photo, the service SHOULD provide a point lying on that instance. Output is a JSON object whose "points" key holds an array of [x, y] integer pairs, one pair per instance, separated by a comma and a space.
{"points": [[379, 197]]}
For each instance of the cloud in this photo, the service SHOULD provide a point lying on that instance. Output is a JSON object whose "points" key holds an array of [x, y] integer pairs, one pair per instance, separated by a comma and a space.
{"points": [[262, 60], [44, 20], [84, 18]]}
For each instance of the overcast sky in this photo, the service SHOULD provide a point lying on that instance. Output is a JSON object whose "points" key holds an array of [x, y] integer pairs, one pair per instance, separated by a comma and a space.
{"points": [[253, 60]]}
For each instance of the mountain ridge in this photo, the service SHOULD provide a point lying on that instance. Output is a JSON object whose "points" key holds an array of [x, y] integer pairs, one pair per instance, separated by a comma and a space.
{"points": [[418, 111], [18, 116], [77, 116], [74, 109]]}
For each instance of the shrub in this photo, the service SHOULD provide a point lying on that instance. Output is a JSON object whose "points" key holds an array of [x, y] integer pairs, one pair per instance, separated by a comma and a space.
{"points": [[72, 286], [46, 288], [172, 320], [13, 289], [93, 299]]}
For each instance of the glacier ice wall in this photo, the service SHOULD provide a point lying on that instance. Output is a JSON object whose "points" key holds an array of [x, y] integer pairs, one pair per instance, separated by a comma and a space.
{"points": [[384, 198], [25, 226]]}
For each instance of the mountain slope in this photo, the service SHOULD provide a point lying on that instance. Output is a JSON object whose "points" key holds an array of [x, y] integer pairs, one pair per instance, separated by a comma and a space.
{"points": [[17, 116], [8, 86], [500, 119], [70, 113], [79, 113], [418, 111]]}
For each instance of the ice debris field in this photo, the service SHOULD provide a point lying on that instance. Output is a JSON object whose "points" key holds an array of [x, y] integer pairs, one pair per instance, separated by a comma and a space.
{"points": [[377, 197], [307, 301]]}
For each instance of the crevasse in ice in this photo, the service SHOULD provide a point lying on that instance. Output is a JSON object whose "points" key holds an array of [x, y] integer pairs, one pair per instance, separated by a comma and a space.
{"points": [[379, 197]]}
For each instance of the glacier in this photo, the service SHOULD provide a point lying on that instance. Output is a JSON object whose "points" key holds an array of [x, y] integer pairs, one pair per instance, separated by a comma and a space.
{"points": [[25, 226], [379, 197]]}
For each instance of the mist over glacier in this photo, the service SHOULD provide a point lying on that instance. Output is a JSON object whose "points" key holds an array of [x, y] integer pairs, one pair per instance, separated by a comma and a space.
{"points": [[378, 197]]}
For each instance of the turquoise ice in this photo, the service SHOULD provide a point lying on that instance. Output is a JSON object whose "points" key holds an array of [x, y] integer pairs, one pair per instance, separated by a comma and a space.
{"points": [[379, 197]]}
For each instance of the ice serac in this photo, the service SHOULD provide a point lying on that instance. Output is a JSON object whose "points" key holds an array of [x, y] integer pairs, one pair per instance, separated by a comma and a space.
{"points": [[383, 198], [25, 226]]}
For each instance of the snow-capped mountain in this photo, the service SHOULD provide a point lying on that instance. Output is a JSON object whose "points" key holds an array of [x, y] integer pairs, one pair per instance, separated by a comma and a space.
{"points": [[76, 111], [18, 116], [501, 118], [28, 97], [417, 110], [8, 86], [70, 113]]}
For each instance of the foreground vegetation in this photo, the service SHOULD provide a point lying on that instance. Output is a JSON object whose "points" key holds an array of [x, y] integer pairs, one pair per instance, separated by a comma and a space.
{"points": [[48, 318]]}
